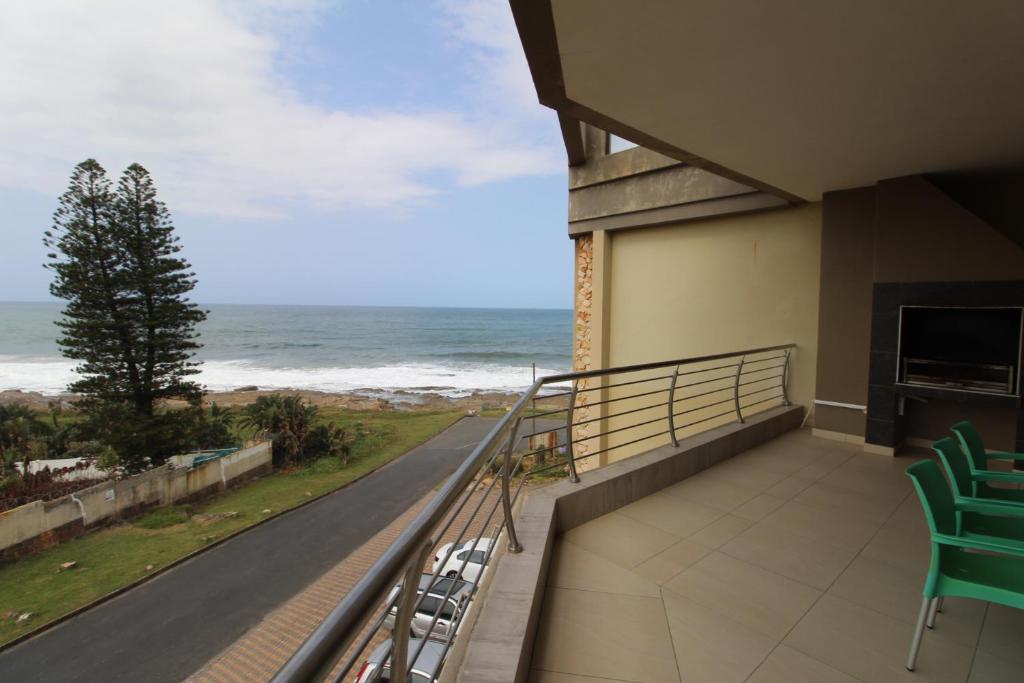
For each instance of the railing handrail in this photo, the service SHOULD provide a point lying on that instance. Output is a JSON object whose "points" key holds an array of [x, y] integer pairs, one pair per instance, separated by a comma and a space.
{"points": [[320, 651], [621, 369]]}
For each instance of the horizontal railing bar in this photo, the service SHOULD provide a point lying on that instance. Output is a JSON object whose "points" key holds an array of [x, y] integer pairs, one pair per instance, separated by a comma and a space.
{"points": [[716, 367], [758, 381], [765, 359], [547, 396], [550, 379], [623, 384], [770, 367], [705, 406], [621, 398], [764, 400], [625, 412], [545, 413], [759, 391], [731, 378], [541, 431], [702, 394], [697, 422], [622, 445], [620, 429]]}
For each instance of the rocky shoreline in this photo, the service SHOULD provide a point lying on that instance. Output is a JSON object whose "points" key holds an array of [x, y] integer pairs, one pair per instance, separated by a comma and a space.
{"points": [[363, 399]]}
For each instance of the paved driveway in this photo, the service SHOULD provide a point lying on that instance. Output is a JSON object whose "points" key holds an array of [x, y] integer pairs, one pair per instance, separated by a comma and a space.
{"points": [[167, 628]]}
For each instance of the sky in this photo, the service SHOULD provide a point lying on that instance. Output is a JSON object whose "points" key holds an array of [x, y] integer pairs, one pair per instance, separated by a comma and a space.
{"points": [[354, 152]]}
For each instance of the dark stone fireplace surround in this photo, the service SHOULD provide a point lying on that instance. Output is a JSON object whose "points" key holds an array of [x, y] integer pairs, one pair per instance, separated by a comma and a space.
{"points": [[885, 426]]}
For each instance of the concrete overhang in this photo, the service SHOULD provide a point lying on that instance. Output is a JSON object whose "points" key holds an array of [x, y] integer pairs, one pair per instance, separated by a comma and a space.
{"points": [[795, 98]]}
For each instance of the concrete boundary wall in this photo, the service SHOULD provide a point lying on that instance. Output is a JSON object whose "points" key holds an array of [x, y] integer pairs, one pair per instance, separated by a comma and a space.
{"points": [[500, 645], [41, 524]]}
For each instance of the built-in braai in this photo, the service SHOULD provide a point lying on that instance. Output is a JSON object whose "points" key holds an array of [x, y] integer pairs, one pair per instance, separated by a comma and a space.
{"points": [[966, 349]]}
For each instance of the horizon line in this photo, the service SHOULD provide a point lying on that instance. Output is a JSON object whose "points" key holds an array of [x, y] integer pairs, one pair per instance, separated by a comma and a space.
{"points": [[435, 306]]}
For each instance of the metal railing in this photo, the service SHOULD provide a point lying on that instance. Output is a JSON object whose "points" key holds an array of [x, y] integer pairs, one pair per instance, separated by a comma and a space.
{"points": [[591, 414]]}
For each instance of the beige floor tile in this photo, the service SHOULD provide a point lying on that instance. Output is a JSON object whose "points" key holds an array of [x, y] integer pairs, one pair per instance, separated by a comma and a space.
{"points": [[538, 676], [604, 635], [824, 465], [909, 516], [757, 598], [786, 460], [895, 591], [621, 539], [757, 508], [675, 515], [669, 562], [873, 475], [910, 550], [709, 646], [1003, 633], [789, 487], [578, 568], [873, 647], [991, 669], [843, 500], [807, 560], [786, 665], [746, 473], [824, 525], [716, 493], [721, 531]]}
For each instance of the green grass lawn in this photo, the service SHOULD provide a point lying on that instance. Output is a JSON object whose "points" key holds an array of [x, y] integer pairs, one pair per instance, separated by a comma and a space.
{"points": [[116, 556]]}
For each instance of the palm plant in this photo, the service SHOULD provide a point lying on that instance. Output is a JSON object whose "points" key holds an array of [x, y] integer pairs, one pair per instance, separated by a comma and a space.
{"points": [[19, 426], [287, 420]]}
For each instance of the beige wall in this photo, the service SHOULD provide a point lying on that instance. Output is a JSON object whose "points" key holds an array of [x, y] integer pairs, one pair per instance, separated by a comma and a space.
{"points": [[714, 286]]}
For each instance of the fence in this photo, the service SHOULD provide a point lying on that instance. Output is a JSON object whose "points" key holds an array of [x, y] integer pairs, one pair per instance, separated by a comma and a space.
{"points": [[43, 523]]}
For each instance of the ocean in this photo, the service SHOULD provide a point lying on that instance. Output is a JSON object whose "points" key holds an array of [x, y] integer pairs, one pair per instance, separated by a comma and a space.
{"points": [[447, 351]]}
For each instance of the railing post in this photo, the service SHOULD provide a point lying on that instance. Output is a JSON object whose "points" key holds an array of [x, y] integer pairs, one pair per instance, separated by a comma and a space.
{"points": [[736, 388], [569, 450], [514, 546], [785, 380], [403, 618], [671, 408]]}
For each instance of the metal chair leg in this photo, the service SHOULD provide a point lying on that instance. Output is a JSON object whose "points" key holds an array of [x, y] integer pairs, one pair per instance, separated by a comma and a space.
{"points": [[915, 645], [939, 608], [931, 613]]}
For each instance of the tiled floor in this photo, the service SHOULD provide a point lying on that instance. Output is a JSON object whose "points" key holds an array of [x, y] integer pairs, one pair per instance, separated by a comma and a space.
{"points": [[799, 561]]}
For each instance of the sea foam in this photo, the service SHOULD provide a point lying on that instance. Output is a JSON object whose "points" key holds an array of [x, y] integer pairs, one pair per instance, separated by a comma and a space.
{"points": [[50, 376]]}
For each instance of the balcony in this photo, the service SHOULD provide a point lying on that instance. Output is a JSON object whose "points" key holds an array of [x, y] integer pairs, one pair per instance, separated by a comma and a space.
{"points": [[801, 559], [692, 532]]}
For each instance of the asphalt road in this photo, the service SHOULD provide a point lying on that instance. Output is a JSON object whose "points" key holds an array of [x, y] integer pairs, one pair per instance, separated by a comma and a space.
{"points": [[167, 628]]}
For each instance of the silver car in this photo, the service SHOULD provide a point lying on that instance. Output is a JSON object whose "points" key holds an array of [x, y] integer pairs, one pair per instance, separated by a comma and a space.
{"points": [[447, 609], [377, 669]]}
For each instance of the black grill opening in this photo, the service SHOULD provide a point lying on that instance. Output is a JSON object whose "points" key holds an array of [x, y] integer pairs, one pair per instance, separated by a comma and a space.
{"points": [[973, 349]]}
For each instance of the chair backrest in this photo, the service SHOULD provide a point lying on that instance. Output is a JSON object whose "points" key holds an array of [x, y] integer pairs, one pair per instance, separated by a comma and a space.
{"points": [[955, 461], [972, 445], [936, 498]]}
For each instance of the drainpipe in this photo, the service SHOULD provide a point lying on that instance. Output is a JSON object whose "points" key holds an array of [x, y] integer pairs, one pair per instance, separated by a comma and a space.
{"points": [[81, 507], [223, 475]]}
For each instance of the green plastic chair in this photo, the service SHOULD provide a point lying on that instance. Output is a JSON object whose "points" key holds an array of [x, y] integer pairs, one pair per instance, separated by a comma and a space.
{"points": [[959, 473], [978, 457], [995, 578]]}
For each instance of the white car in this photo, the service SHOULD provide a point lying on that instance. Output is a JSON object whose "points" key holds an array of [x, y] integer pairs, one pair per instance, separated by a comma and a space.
{"points": [[467, 562]]}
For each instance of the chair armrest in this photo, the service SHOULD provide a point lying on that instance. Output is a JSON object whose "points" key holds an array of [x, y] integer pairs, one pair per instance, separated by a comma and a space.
{"points": [[979, 542], [1003, 455], [992, 475], [995, 508]]}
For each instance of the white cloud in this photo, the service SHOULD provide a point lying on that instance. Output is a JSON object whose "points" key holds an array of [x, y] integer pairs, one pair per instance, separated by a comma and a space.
{"points": [[189, 88]]}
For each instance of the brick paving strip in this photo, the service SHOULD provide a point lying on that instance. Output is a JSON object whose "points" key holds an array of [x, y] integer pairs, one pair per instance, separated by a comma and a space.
{"points": [[258, 654]]}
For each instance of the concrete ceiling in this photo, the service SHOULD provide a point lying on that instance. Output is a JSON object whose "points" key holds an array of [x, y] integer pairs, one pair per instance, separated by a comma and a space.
{"points": [[799, 96]]}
